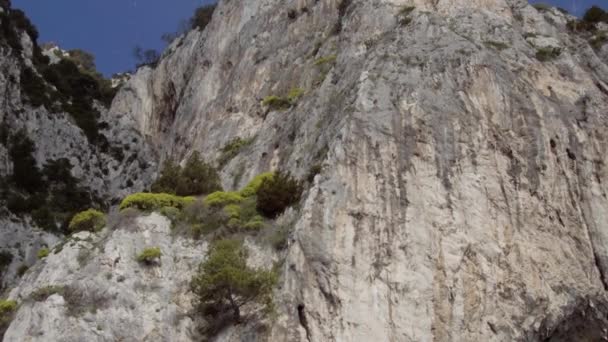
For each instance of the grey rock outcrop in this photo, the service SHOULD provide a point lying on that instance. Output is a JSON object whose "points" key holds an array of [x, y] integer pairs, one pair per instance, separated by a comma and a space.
{"points": [[97, 291], [126, 164], [462, 191]]}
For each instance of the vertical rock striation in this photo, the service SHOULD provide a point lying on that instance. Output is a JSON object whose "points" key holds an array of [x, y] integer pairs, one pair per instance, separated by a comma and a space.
{"points": [[462, 192]]}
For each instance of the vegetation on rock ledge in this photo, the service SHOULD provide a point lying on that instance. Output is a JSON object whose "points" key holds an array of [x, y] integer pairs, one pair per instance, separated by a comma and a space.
{"points": [[196, 178], [149, 202], [149, 255], [224, 284], [90, 220], [7, 310]]}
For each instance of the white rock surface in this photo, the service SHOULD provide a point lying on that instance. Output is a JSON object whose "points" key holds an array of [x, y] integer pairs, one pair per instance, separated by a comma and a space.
{"points": [[112, 294], [462, 195]]}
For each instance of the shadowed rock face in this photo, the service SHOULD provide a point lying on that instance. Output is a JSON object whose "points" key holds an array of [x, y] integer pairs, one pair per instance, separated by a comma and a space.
{"points": [[587, 322], [463, 186], [124, 165]]}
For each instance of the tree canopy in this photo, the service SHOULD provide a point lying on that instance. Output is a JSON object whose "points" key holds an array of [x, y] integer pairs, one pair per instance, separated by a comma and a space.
{"points": [[224, 282]]}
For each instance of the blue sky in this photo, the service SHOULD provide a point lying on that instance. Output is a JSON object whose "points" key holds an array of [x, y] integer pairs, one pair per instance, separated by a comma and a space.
{"points": [[110, 29], [577, 7]]}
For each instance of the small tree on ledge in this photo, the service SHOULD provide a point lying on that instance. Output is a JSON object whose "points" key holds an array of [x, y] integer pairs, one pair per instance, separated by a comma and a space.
{"points": [[224, 282], [149, 256]]}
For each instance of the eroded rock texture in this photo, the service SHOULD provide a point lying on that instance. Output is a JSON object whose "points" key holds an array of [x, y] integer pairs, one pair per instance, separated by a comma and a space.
{"points": [[462, 195]]}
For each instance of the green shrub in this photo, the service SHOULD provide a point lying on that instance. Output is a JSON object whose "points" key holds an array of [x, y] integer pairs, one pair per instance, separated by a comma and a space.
{"points": [[280, 103], [146, 57], [169, 177], [202, 16], [315, 169], [542, 7], [150, 202], [233, 211], [9, 33], [22, 22], [41, 294], [580, 26], [83, 59], [252, 187], [198, 219], [224, 283], [325, 60], [548, 53], [244, 215], [149, 255], [76, 91], [255, 223], [276, 103], [34, 88], [7, 310], [43, 253], [196, 178], [232, 149], [294, 95], [497, 45], [55, 200], [5, 260], [22, 269], [7, 306], [26, 174], [591, 18], [222, 198], [171, 213], [90, 220], [278, 193], [595, 15]]}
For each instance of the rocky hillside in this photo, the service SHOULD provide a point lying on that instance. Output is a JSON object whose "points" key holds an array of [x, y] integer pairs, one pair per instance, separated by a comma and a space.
{"points": [[61, 151], [455, 158]]}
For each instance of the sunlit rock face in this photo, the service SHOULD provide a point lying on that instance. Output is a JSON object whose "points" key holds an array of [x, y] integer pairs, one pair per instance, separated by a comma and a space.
{"points": [[462, 192]]}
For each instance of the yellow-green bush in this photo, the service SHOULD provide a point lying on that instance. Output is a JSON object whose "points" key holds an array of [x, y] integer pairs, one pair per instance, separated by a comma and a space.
{"points": [[295, 94], [149, 255], [252, 188], [171, 213], [256, 222], [90, 220], [276, 103], [244, 215], [232, 149], [7, 311], [325, 60], [147, 201], [223, 198], [43, 253], [233, 211], [7, 306]]}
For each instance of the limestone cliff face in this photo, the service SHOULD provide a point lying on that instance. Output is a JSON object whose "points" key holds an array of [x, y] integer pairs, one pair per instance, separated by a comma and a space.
{"points": [[462, 195]]}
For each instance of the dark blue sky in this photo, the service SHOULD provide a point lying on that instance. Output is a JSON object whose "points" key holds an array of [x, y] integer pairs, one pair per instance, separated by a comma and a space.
{"points": [[110, 29], [577, 7]]}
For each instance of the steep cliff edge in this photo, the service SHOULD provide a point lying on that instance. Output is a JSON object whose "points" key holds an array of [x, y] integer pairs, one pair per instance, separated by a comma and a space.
{"points": [[60, 149], [460, 149]]}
